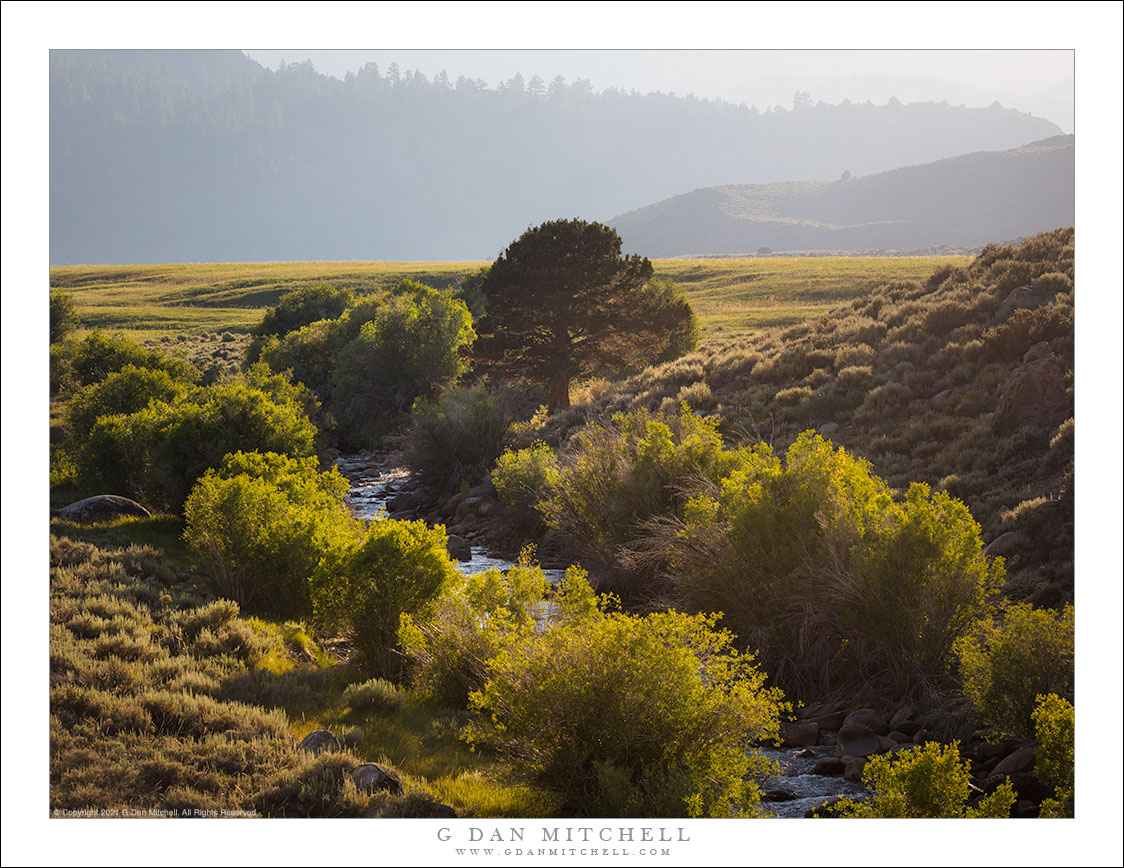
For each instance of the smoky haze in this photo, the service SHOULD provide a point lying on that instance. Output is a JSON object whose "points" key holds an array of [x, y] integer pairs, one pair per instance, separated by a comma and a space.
{"points": [[183, 156], [1036, 81]]}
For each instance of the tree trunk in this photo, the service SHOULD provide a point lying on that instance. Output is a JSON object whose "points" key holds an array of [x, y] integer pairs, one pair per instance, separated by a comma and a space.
{"points": [[559, 394]]}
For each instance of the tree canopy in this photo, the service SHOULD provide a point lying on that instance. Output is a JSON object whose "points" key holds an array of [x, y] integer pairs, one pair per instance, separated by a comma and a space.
{"points": [[563, 302]]}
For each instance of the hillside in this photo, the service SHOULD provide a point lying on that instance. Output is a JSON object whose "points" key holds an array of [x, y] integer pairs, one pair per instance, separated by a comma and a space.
{"points": [[207, 156], [963, 381], [964, 201]]}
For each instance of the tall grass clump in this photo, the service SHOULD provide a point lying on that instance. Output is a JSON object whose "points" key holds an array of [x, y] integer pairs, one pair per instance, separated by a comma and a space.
{"points": [[614, 476], [456, 439]]}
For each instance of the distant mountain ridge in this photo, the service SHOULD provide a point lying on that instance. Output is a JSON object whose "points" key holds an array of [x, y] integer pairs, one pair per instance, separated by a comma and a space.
{"points": [[965, 201], [189, 156]]}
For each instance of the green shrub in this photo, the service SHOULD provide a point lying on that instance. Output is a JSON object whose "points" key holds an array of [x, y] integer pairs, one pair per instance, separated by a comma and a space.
{"points": [[1053, 759], [97, 355], [308, 354], [814, 563], [448, 648], [158, 453], [660, 296], [411, 349], [925, 782], [258, 526], [457, 438], [364, 584], [624, 716], [300, 307], [377, 694], [62, 316], [523, 476], [1008, 662], [697, 396], [1024, 328], [792, 396], [125, 391]]}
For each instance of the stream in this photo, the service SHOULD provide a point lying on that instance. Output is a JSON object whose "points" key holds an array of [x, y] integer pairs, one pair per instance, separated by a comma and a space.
{"points": [[796, 790], [789, 794], [374, 483]]}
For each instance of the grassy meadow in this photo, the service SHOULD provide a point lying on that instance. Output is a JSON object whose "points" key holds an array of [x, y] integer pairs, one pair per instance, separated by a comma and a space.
{"points": [[732, 297]]}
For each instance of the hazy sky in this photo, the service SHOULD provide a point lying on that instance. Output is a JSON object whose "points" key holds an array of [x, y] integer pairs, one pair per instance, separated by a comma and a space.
{"points": [[705, 72], [1017, 78]]}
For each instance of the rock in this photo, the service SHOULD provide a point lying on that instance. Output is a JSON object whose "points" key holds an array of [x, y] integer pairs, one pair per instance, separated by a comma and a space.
{"points": [[459, 548], [987, 751], [898, 737], [485, 489], [824, 811], [886, 743], [1026, 809], [903, 714], [828, 428], [102, 507], [909, 727], [898, 748], [829, 766], [1039, 351], [402, 502], [870, 718], [1021, 760], [804, 754], [828, 721], [853, 768], [924, 736], [941, 398], [318, 741], [855, 739], [372, 777], [1002, 545], [449, 507], [984, 767], [1025, 784], [1025, 296], [778, 795], [800, 734], [1034, 396], [414, 806]]}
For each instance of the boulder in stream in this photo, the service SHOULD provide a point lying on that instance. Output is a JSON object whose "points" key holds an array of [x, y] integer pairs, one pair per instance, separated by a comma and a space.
{"points": [[459, 548]]}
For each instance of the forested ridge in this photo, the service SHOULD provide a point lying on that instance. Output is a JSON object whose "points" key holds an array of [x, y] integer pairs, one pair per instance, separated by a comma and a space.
{"points": [[193, 156]]}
